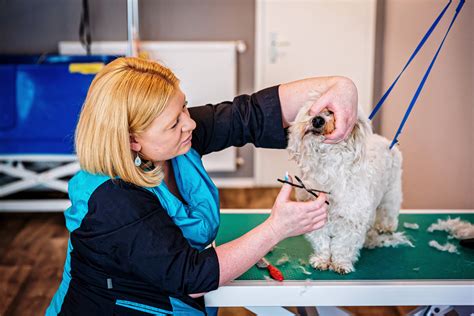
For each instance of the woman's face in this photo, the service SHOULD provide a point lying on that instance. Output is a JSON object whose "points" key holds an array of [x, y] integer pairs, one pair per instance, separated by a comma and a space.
{"points": [[169, 135]]}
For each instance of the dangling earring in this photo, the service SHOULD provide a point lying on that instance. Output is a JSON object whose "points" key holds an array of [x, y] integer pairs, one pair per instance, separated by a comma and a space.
{"points": [[138, 161]]}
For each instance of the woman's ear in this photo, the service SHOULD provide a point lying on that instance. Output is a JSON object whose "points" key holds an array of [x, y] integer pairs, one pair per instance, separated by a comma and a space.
{"points": [[134, 144]]}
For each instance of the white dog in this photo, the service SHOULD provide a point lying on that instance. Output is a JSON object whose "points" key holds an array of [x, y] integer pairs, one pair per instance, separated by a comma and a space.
{"points": [[363, 177]]}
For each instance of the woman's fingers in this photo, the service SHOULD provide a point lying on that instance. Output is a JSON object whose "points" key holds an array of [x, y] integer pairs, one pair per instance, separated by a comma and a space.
{"points": [[339, 131], [319, 202], [318, 211], [318, 225], [285, 193], [344, 124], [319, 218], [313, 226], [314, 219], [342, 101]]}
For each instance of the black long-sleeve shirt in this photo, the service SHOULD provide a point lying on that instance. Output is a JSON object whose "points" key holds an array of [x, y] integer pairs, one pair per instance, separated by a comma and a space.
{"points": [[125, 246]]}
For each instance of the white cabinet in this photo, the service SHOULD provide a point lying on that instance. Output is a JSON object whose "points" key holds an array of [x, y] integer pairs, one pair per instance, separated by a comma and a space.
{"points": [[296, 39]]}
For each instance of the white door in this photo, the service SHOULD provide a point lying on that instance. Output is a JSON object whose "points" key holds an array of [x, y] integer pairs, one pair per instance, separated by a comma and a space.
{"points": [[297, 39]]}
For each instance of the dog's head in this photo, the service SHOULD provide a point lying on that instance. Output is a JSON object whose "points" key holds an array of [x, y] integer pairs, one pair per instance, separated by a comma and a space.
{"points": [[307, 134]]}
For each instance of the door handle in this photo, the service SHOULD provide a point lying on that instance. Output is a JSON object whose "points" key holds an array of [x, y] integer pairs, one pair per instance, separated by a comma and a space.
{"points": [[275, 46]]}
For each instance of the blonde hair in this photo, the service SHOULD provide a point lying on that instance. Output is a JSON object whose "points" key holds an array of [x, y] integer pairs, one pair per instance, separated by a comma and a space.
{"points": [[123, 99]]}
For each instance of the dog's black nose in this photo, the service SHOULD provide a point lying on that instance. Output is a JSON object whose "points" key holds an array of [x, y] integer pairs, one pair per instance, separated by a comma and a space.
{"points": [[318, 122]]}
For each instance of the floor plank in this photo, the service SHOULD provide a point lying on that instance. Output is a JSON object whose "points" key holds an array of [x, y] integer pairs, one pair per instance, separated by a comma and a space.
{"points": [[10, 227], [43, 280], [12, 280], [29, 241]]}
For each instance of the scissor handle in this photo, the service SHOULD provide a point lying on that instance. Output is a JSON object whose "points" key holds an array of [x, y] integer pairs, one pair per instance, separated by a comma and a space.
{"points": [[275, 273]]}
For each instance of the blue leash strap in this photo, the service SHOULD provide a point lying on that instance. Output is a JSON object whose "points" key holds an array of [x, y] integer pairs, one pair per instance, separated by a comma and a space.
{"points": [[422, 42], [422, 83]]}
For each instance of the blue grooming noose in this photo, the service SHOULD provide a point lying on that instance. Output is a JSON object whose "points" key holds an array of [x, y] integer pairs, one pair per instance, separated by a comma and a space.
{"points": [[423, 80]]}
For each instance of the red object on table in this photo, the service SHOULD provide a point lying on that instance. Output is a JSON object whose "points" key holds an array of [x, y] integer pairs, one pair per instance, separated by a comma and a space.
{"points": [[274, 272]]}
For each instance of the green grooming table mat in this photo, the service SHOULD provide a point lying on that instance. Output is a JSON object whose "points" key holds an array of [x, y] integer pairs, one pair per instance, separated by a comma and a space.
{"points": [[402, 276], [402, 263]]}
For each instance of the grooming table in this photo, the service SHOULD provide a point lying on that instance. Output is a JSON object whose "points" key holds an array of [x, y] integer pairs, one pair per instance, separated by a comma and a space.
{"points": [[401, 276]]}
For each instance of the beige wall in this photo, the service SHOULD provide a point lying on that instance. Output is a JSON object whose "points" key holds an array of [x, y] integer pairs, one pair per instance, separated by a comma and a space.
{"points": [[437, 142]]}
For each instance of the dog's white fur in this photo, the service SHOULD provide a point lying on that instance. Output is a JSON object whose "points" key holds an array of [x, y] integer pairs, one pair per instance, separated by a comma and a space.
{"points": [[363, 177]]}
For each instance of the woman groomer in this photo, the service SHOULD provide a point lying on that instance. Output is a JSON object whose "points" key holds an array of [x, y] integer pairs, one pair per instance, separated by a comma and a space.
{"points": [[143, 207]]}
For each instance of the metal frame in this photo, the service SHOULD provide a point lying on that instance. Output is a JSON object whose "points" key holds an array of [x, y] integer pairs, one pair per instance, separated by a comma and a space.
{"points": [[343, 293], [13, 166], [133, 27]]}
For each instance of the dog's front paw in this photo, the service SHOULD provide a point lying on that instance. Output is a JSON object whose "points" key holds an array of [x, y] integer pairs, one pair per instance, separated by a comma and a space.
{"points": [[342, 267], [320, 263]]}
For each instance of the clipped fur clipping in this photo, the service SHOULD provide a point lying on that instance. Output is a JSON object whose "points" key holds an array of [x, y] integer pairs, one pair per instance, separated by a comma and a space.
{"points": [[284, 259], [455, 227], [448, 247], [304, 270], [375, 240], [267, 278], [411, 225]]}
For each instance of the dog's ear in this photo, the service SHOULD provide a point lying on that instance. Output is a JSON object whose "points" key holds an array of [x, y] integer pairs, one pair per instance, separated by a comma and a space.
{"points": [[295, 133], [297, 130], [362, 129]]}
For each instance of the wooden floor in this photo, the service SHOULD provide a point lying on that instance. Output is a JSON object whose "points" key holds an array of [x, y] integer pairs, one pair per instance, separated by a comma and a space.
{"points": [[33, 248]]}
